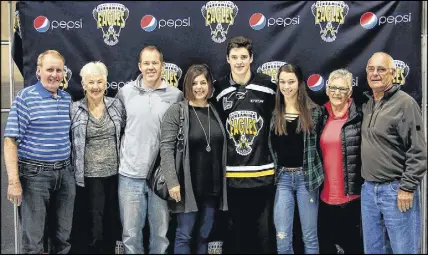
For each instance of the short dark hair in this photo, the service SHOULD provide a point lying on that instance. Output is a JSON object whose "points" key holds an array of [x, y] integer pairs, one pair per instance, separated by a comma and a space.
{"points": [[240, 42], [151, 48], [193, 72]]}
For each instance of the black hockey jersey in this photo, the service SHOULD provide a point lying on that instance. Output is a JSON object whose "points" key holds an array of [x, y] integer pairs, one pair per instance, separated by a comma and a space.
{"points": [[246, 111]]}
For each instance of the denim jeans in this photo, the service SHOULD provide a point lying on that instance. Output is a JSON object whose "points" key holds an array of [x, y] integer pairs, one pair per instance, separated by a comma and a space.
{"points": [[291, 186], [136, 201], [46, 195], [380, 212], [197, 224]]}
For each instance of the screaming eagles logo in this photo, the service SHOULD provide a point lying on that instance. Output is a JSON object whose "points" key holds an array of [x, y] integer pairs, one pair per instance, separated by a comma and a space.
{"points": [[329, 15], [243, 127], [111, 19], [172, 74], [66, 77], [17, 24], [401, 72], [271, 69], [219, 15]]}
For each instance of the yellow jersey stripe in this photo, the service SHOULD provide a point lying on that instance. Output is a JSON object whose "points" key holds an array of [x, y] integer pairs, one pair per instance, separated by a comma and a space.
{"points": [[250, 174]]}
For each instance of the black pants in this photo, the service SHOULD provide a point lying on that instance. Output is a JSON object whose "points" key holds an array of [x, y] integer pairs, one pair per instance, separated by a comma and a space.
{"points": [[251, 215], [340, 228], [97, 226]]}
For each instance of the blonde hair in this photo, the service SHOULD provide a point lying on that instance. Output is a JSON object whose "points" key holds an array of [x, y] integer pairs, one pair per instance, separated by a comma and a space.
{"points": [[49, 52], [341, 74], [94, 68]]}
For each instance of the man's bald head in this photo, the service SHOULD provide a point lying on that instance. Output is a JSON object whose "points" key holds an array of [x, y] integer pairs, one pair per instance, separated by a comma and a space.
{"points": [[383, 57], [380, 71]]}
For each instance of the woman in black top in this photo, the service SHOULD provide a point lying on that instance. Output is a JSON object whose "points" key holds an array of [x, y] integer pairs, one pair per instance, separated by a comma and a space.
{"points": [[299, 171], [197, 184]]}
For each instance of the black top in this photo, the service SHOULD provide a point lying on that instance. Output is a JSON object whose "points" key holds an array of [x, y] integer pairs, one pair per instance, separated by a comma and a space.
{"points": [[289, 148], [205, 167]]}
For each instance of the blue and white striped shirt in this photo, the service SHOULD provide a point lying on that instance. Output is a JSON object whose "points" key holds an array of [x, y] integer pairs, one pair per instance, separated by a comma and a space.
{"points": [[40, 124]]}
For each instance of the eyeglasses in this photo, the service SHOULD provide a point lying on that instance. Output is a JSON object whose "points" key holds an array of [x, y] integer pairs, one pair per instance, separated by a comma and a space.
{"points": [[380, 69], [341, 90]]}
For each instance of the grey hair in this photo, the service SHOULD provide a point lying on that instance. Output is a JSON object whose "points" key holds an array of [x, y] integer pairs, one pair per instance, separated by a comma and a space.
{"points": [[94, 68], [341, 74]]}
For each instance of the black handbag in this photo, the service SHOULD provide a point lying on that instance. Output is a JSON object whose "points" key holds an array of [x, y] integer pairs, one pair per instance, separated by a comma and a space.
{"points": [[156, 179]]}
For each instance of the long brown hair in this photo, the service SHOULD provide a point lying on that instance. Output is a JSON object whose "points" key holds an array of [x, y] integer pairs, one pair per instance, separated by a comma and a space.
{"points": [[303, 104]]}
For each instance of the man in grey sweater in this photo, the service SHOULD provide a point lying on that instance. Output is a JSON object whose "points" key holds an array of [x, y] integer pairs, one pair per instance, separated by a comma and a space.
{"points": [[394, 161], [146, 99]]}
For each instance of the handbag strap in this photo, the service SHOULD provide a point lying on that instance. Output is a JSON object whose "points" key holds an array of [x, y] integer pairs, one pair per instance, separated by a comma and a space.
{"points": [[180, 135]]}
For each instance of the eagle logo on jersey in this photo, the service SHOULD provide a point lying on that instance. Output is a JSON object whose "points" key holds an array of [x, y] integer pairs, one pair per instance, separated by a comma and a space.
{"points": [[243, 127]]}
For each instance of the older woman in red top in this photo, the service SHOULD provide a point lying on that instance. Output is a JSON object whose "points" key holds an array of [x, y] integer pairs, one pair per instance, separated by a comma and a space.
{"points": [[340, 141]]}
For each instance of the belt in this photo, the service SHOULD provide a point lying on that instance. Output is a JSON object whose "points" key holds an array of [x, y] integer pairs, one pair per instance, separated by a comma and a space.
{"points": [[292, 169], [47, 166]]}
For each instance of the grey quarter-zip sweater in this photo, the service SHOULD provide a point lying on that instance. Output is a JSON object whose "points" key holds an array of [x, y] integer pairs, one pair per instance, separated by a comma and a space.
{"points": [[145, 108], [393, 145]]}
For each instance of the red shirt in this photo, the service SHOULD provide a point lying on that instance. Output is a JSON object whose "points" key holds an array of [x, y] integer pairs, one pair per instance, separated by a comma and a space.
{"points": [[333, 191]]}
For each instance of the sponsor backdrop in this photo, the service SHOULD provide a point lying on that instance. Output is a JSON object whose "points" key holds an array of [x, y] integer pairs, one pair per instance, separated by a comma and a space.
{"points": [[320, 36]]}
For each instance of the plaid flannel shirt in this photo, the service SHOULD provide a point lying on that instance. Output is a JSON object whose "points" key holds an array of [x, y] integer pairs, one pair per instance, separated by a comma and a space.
{"points": [[312, 162]]}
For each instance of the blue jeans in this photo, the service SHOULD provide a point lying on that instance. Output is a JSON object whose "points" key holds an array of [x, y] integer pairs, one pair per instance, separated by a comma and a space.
{"points": [[136, 201], [384, 226], [291, 185], [198, 224], [46, 195]]}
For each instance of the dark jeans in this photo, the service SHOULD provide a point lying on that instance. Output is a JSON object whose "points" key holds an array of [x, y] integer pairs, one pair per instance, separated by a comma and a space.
{"points": [[340, 228], [195, 224], [102, 210], [251, 215], [47, 194]]}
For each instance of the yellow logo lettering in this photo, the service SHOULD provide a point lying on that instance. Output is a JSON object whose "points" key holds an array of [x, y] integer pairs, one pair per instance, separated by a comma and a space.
{"points": [[399, 76]]}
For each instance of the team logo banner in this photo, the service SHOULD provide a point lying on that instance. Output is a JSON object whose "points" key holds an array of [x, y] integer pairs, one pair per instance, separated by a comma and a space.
{"points": [[401, 72], [110, 18], [243, 127], [271, 69], [329, 15], [172, 74], [66, 77], [219, 15]]}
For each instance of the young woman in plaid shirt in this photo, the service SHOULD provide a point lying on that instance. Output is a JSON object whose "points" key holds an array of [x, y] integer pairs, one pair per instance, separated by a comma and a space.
{"points": [[294, 143]]}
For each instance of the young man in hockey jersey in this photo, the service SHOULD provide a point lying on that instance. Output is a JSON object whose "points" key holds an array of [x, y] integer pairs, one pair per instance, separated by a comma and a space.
{"points": [[246, 100]]}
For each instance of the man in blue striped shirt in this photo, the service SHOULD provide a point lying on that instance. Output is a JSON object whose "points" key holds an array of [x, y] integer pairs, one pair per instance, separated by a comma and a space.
{"points": [[37, 157]]}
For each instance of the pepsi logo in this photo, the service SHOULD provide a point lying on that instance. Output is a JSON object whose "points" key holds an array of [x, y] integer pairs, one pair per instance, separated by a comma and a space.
{"points": [[257, 21], [41, 24], [148, 23], [368, 20], [315, 82]]}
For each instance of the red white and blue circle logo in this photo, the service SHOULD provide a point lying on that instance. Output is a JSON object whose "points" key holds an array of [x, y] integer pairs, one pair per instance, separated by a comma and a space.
{"points": [[41, 24], [148, 23], [368, 20], [315, 82], [257, 21]]}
